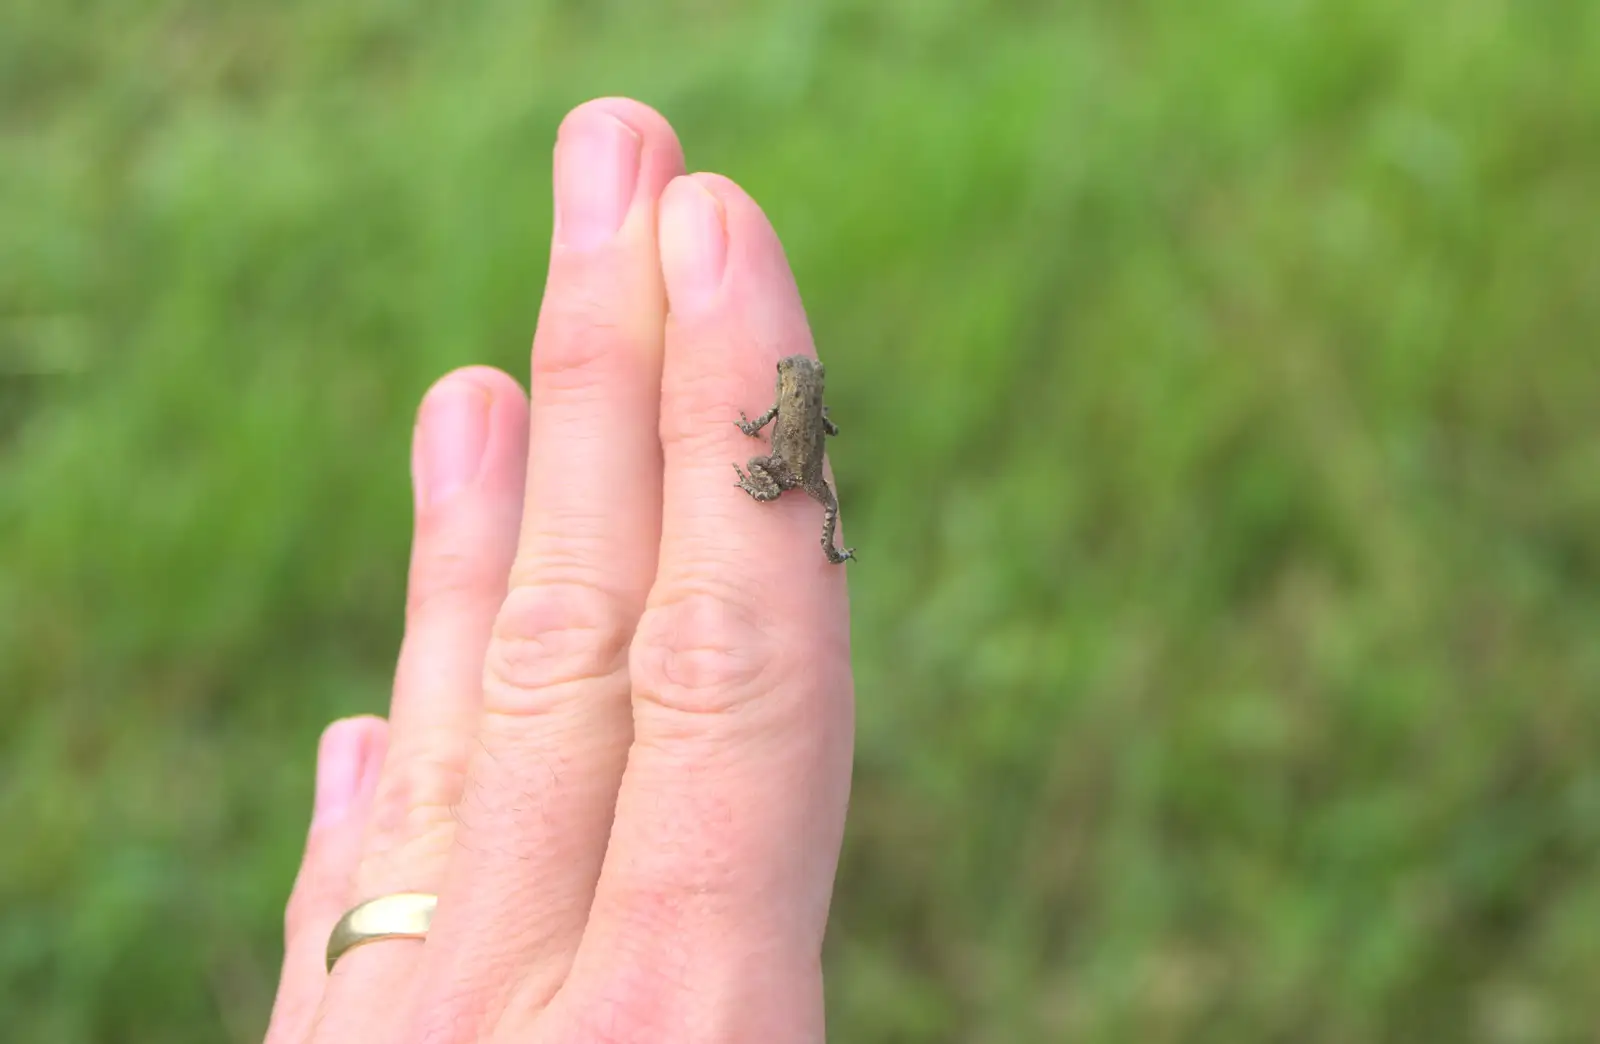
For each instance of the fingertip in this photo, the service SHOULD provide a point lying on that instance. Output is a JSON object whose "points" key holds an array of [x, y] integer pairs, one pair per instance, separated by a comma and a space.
{"points": [[654, 130], [348, 754], [727, 334], [757, 287], [464, 422], [723, 187], [508, 399], [693, 240], [607, 179], [489, 381], [755, 250]]}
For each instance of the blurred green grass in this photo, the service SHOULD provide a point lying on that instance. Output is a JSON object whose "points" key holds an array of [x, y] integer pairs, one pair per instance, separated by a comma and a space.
{"points": [[1220, 386]]}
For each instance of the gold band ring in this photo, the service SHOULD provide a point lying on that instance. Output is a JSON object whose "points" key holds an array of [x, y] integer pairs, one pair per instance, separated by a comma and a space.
{"points": [[404, 915]]}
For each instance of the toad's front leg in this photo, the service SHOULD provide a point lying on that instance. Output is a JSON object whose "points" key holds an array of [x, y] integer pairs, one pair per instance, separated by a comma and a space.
{"points": [[760, 483], [753, 427]]}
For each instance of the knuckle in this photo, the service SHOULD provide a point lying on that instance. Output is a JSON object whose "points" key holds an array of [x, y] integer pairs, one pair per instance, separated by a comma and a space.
{"points": [[691, 401], [621, 1027], [304, 902], [580, 333], [415, 794], [638, 1014], [549, 635], [324, 877], [703, 653], [448, 1023], [318, 891], [446, 579]]}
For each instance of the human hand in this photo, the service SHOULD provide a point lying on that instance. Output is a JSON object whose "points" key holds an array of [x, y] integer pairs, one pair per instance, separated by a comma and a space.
{"points": [[619, 743]]}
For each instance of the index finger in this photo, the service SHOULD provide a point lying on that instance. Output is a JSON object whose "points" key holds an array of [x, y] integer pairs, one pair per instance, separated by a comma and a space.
{"points": [[712, 902]]}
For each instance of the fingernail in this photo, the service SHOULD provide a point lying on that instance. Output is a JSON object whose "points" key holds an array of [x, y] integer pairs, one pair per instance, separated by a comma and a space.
{"points": [[452, 431], [597, 167], [694, 245], [340, 755], [372, 755]]}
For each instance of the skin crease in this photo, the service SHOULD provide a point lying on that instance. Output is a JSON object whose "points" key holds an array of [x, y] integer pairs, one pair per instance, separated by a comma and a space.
{"points": [[619, 743]]}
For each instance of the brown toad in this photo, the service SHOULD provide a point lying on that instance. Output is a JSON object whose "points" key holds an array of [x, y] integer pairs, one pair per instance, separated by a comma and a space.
{"points": [[800, 426]]}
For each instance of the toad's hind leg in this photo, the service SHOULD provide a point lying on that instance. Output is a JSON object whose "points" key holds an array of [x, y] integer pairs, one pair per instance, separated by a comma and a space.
{"points": [[761, 484], [823, 493]]}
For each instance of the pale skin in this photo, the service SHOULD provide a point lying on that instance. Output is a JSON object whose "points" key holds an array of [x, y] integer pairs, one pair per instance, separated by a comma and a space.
{"points": [[618, 746]]}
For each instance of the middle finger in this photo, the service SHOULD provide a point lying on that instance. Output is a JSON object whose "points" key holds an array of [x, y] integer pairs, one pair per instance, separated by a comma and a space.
{"points": [[556, 725]]}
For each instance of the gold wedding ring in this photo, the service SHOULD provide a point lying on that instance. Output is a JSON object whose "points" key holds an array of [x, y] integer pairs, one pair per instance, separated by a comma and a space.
{"points": [[404, 915]]}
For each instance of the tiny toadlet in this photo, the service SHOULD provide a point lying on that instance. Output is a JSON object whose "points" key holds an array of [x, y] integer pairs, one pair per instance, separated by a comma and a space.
{"points": [[800, 425]]}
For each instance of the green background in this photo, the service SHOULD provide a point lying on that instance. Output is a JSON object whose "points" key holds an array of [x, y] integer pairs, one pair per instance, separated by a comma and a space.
{"points": [[1220, 392]]}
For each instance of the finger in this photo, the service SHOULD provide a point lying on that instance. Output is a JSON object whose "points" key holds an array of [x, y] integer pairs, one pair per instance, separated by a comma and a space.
{"points": [[348, 760], [468, 463], [709, 914], [556, 725]]}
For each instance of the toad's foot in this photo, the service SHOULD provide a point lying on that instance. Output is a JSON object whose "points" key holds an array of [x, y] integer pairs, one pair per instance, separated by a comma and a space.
{"points": [[823, 493], [759, 484]]}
